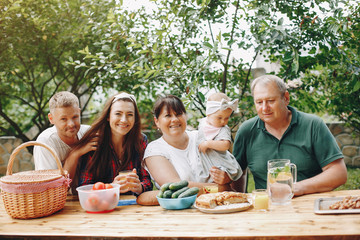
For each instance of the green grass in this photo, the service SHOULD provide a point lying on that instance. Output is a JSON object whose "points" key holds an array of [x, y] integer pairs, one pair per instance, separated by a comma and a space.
{"points": [[353, 181], [251, 183]]}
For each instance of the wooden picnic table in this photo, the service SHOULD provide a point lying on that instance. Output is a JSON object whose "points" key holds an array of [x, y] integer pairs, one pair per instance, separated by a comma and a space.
{"points": [[295, 221]]}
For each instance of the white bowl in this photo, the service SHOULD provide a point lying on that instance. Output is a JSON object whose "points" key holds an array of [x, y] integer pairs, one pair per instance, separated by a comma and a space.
{"points": [[98, 201]]}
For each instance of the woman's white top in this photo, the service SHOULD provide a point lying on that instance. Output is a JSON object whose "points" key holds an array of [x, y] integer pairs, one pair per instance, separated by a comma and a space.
{"points": [[184, 161]]}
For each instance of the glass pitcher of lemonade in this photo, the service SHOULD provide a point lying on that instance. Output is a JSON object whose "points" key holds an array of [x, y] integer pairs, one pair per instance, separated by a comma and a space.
{"points": [[280, 181]]}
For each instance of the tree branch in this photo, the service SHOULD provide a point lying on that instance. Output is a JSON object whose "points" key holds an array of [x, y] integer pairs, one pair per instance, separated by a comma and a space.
{"points": [[14, 125], [226, 65], [176, 52], [247, 79]]}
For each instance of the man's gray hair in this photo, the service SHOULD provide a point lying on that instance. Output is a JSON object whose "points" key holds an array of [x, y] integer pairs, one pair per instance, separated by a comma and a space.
{"points": [[63, 99], [266, 79]]}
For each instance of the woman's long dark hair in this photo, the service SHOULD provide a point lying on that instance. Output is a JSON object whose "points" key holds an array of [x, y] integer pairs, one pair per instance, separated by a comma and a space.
{"points": [[101, 158]]}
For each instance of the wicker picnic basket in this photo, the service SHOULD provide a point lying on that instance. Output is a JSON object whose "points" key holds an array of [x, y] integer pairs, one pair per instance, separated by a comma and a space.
{"points": [[34, 194]]}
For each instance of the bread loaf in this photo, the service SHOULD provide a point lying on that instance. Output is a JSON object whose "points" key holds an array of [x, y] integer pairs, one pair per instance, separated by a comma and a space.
{"points": [[211, 200], [148, 198]]}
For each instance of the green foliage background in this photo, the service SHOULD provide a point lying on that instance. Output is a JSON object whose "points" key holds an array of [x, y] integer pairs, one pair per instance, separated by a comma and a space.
{"points": [[96, 49]]}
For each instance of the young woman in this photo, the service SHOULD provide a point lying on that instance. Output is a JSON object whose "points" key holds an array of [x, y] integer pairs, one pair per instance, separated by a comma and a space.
{"points": [[114, 143], [173, 157]]}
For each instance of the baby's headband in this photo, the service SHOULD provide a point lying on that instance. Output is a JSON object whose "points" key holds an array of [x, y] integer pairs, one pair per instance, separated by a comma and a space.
{"points": [[124, 95], [214, 106]]}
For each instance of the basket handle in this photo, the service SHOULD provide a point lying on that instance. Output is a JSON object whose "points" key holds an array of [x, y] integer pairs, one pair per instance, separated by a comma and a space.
{"points": [[30, 143]]}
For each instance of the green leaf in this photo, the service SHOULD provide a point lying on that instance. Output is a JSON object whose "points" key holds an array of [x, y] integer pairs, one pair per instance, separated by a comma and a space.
{"points": [[241, 44], [281, 21], [130, 64], [312, 51], [231, 42], [357, 86], [288, 57], [147, 67], [111, 16], [155, 47], [149, 73], [207, 44], [143, 51], [218, 37], [137, 86], [201, 96]]}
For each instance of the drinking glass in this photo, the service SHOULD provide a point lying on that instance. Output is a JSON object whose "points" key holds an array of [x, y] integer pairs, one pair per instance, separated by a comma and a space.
{"points": [[210, 189], [260, 199], [124, 173], [280, 181]]}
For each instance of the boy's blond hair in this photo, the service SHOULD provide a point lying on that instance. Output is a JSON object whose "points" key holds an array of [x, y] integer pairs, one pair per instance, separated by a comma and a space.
{"points": [[63, 99]]}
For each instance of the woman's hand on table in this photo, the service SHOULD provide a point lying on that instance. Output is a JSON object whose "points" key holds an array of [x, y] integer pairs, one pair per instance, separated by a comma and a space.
{"points": [[220, 177], [130, 183]]}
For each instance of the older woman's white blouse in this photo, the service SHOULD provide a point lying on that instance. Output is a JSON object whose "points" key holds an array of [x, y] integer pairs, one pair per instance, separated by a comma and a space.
{"points": [[184, 161]]}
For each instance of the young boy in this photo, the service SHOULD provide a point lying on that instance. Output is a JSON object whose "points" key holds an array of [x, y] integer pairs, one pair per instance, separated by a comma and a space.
{"points": [[67, 130], [214, 139]]}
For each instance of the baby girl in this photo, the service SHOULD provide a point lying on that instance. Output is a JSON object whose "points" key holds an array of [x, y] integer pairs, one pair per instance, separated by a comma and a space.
{"points": [[214, 139]]}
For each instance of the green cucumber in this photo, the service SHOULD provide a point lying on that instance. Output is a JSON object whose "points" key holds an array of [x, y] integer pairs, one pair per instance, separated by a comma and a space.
{"points": [[167, 194], [165, 187], [178, 185], [178, 192], [189, 192], [160, 194]]}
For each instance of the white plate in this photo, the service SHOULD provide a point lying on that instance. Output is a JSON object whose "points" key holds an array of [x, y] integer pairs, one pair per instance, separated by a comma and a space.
{"points": [[235, 207]]}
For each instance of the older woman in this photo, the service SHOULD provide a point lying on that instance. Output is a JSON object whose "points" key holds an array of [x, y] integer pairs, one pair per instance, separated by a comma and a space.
{"points": [[114, 143], [173, 157]]}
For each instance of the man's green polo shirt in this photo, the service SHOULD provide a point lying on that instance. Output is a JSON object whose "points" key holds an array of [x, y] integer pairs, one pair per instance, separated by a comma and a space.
{"points": [[307, 142]]}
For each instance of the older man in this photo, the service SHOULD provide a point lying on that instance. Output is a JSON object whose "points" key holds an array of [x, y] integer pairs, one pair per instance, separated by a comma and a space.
{"points": [[280, 131], [67, 130]]}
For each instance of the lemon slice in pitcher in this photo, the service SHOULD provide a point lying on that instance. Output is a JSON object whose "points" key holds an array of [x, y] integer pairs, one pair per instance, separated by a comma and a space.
{"points": [[283, 176], [271, 178]]}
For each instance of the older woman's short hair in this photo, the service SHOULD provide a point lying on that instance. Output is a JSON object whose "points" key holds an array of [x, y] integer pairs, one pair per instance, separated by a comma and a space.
{"points": [[171, 103]]}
